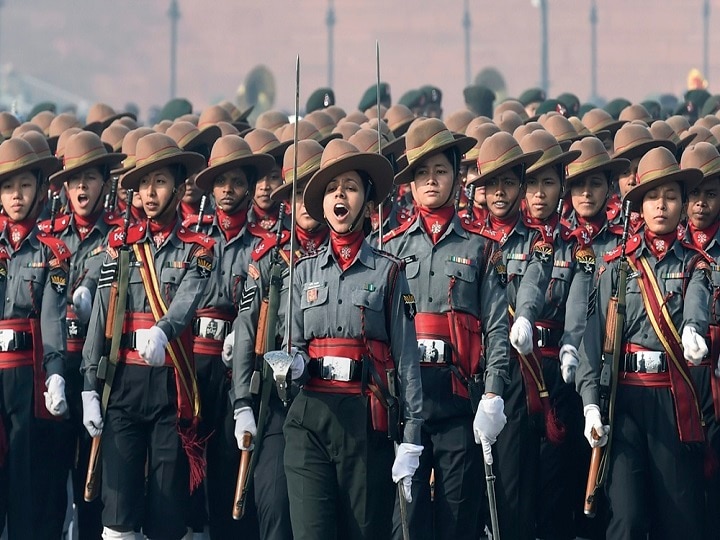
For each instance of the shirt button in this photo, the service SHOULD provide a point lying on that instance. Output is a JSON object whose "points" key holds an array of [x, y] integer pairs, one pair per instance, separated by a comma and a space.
{"points": [[339, 300], [342, 278], [339, 328], [223, 272], [430, 299], [432, 272]]}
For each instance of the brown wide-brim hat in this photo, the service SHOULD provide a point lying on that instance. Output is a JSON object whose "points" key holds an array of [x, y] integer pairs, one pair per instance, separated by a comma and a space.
{"points": [[501, 152], [263, 141], [703, 156], [271, 120], [366, 140], [17, 156], [391, 145], [155, 151], [398, 118], [552, 152], [309, 154], [341, 156], [306, 130], [659, 167], [600, 120], [101, 115], [635, 140], [427, 137], [479, 129], [58, 125], [662, 131], [82, 151], [636, 111], [129, 146], [189, 137], [233, 152], [593, 158]]}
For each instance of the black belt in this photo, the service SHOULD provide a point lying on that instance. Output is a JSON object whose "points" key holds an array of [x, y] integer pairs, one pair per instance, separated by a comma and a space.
{"points": [[548, 337], [645, 362], [10, 341], [335, 369], [211, 328]]}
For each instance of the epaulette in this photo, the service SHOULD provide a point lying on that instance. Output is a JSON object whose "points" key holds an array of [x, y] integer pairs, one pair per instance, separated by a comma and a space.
{"points": [[267, 242], [703, 255], [389, 256], [546, 230], [114, 219], [62, 222], [632, 244], [135, 234], [469, 226], [579, 235], [192, 219], [397, 231], [57, 246], [257, 231], [192, 237]]}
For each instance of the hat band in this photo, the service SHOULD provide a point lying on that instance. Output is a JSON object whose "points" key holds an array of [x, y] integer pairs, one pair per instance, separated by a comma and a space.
{"points": [[74, 162], [168, 151], [711, 166], [590, 163], [269, 147], [311, 164], [183, 142], [653, 174], [632, 144], [509, 155], [439, 139], [17, 163], [232, 156]]}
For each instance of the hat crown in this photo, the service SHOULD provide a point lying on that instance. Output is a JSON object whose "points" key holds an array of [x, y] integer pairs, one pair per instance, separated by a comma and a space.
{"points": [[459, 121], [656, 163], [631, 135], [560, 127], [703, 134], [182, 132], [508, 121], [636, 111], [336, 150], [261, 140], [229, 148], [16, 153], [63, 139], [347, 129], [99, 112], [496, 151], [305, 129], [38, 142], [592, 154], [540, 140], [679, 123], [213, 115], [309, 154], [62, 122], [425, 135], [154, 147], [398, 114], [375, 124], [130, 141], [511, 105], [114, 135], [82, 148], [597, 119], [271, 120], [703, 156], [366, 140]]}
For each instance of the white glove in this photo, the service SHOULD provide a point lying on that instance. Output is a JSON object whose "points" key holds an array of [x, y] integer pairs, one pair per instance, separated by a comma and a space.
{"points": [[227, 351], [153, 351], [407, 460], [521, 335], [92, 417], [594, 422], [568, 363], [244, 421], [694, 347], [55, 401], [488, 423], [82, 303]]}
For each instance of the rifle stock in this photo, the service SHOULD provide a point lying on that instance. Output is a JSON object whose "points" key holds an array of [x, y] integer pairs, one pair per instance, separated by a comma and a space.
{"points": [[92, 479], [242, 480]]}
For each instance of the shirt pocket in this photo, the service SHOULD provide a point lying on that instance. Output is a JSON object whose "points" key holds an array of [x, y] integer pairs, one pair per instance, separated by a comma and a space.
{"points": [[412, 269], [29, 297], [516, 267], [371, 304], [465, 290], [314, 307], [560, 279]]}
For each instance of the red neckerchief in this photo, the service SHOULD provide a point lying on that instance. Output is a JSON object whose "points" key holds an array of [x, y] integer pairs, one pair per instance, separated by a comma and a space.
{"points": [[188, 209], [345, 247], [310, 241], [659, 244], [504, 225], [436, 220], [636, 222], [231, 224], [85, 224], [265, 218], [593, 225], [480, 213], [161, 232], [546, 226], [19, 231], [701, 237]]}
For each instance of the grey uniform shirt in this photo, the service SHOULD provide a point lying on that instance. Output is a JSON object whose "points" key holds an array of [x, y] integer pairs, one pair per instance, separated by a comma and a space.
{"points": [[334, 311]]}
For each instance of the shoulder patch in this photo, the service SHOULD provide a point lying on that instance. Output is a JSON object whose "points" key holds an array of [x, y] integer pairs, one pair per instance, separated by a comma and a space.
{"points": [[397, 231], [188, 236], [586, 259], [61, 223], [409, 306], [57, 246], [543, 251], [496, 262], [632, 244], [267, 242]]}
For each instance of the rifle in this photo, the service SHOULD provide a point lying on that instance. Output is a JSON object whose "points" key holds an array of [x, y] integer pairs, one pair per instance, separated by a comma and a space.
{"points": [[612, 345], [201, 211], [111, 197], [267, 325], [108, 361], [54, 208]]}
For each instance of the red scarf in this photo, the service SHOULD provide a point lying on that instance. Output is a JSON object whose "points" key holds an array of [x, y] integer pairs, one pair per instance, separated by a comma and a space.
{"points": [[161, 232], [701, 237], [310, 241], [592, 225], [265, 218], [436, 220], [659, 244], [85, 224], [345, 247], [546, 226], [636, 222], [19, 231], [231, 224], [504, 225], [188, 209]]}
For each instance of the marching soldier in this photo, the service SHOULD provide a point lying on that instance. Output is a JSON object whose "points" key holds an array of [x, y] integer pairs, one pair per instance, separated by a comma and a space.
{"points": [[655, 467], [151, 402], [33, 277], [269, 481], [352, 328], [461, 317]]}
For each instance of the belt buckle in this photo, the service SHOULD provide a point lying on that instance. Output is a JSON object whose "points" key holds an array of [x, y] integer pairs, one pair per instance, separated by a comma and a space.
{"points": [[140, 339], [75, 329], [543, 336], [432, 351], [211, 328], [336, 368], [648, 362], [7, 340]]}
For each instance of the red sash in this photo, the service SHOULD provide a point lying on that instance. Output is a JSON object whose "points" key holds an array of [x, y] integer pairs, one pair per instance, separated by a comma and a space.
{"points": [[188, 405], [687, 408], [208, 346]]}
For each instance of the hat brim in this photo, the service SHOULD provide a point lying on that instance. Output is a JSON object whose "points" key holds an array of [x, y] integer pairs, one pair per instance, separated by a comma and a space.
{"points": [[110, 159], [46, 166], [528, 160], [401, 129], [375, 165], [612, 127], [207, 137], [192, 161], [561, 159], [261, 163], [462, 142], [284, 192], [99, 126], [327, 138], [641, 149], [689, 177], [615, 167]]}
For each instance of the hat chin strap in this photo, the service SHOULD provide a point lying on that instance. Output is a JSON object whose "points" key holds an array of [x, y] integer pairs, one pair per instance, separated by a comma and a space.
{"points": [[167, 205]]}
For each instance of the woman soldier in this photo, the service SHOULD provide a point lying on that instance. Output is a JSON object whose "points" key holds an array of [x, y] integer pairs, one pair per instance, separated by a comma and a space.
{"points": [[523, 261], [559, 330], [153, 408], [655, 468], [460, 307], [348, 301], [270, 485]]}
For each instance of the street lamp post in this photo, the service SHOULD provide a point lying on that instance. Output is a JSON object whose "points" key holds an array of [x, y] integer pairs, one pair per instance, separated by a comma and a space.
{"points": [[174, 14], [706, 39], [467, 24], [593, 50], [542, 5], [330, 21]]}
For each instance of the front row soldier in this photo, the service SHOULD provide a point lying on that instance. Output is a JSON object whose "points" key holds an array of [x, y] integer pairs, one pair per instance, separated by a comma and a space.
{"points": [[655, 468], [150, 399], [352, 330], [460, 308], [33, 281]]}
